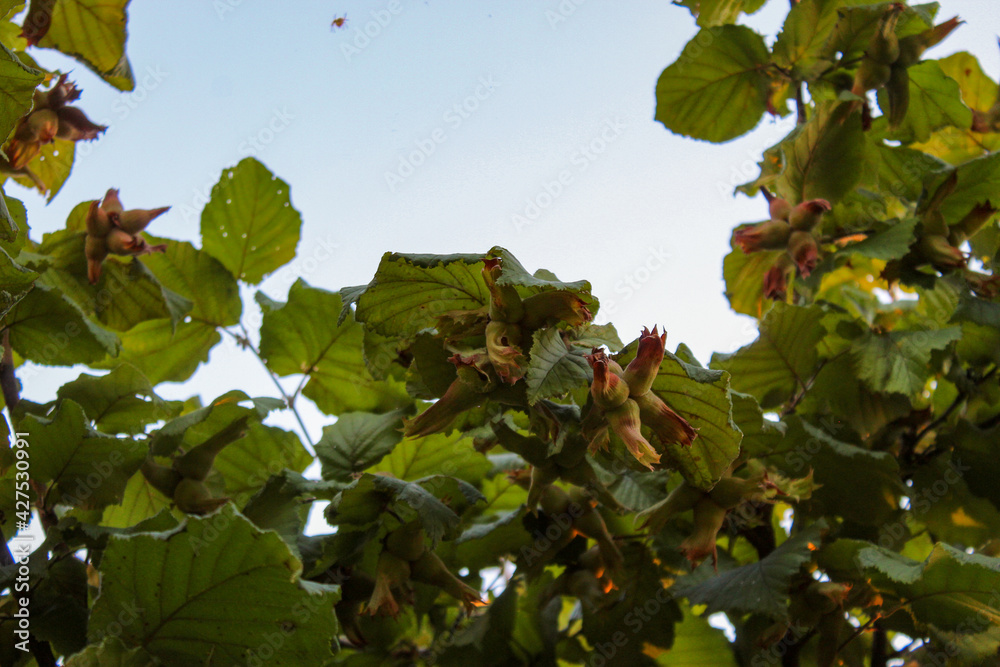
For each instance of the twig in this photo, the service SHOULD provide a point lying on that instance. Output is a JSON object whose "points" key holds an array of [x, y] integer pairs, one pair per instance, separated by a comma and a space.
{"points": [[880, 647], [910, 445], [857, 632], [244, 341], [41, 651], [800, 104], [8, 381]]}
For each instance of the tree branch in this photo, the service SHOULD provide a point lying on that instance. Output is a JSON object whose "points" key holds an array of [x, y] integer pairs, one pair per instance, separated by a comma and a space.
{"points": [[244, 341], [800, 104], [880, 647], [8, 381]]}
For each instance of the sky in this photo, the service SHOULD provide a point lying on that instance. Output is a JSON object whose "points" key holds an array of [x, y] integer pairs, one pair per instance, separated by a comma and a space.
{"points": [[437, 127]]}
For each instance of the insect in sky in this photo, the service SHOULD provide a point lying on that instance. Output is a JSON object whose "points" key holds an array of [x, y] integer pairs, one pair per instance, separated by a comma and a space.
{"points": [[339, 21]]}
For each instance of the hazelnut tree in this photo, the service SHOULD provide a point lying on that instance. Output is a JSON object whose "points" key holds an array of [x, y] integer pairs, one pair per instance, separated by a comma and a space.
{"points": [[507, 482]]}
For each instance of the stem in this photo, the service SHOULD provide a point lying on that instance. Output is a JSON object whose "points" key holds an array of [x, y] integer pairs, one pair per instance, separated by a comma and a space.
{"points": [[910, 446], [41, 651], [8, 381], [289, 401], [880, 646], [857, 633], [791, 657], [989, 423], [800, 104], [807, 385], [761, 537], [11, 396]]}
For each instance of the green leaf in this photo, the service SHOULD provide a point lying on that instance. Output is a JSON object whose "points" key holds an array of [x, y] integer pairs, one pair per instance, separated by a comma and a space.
{"points": [[249, 224], [173, 584], [897, 361], [942, 500], [725, 63], [744, 276], [979, 311], [952, 594], [633, 489], [45, 327], [364, 502], [265, 450], [13, 224], [890, 243], [126, 294], [165, 353], [760, 436], [700, 396], [640, 588], [15, 281], [482, 544], [514, 273], [977, 182], [59, 605], [197, 426], [771, 165], [50, 168], [409, 292], [555, 368], [979, 91], [418, 458], [596, 335], [698, 644], [140, 501], [17, 85], [856, 26], [837, 393], [807, 27], [302, 337], [85, 468], [357, 441], [279, 504], [935, 102], [110, 653], [760, 587], [822, 156], [93, 32], [901, 171], [855, 483], [123, 401], [782, 359], [198, 277], [719, 12]]}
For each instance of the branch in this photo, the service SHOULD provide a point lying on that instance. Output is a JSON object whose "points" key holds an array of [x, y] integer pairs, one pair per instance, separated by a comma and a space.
{"points": [[8, 381], [910, 445], [859, 631], [244, 341], [800, 104], [11, 396], [41, 651], [880, 647], [791, 657]]}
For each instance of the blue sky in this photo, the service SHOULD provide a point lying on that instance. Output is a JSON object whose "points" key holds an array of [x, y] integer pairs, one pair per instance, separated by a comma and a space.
{"points": [[429, 127]]}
